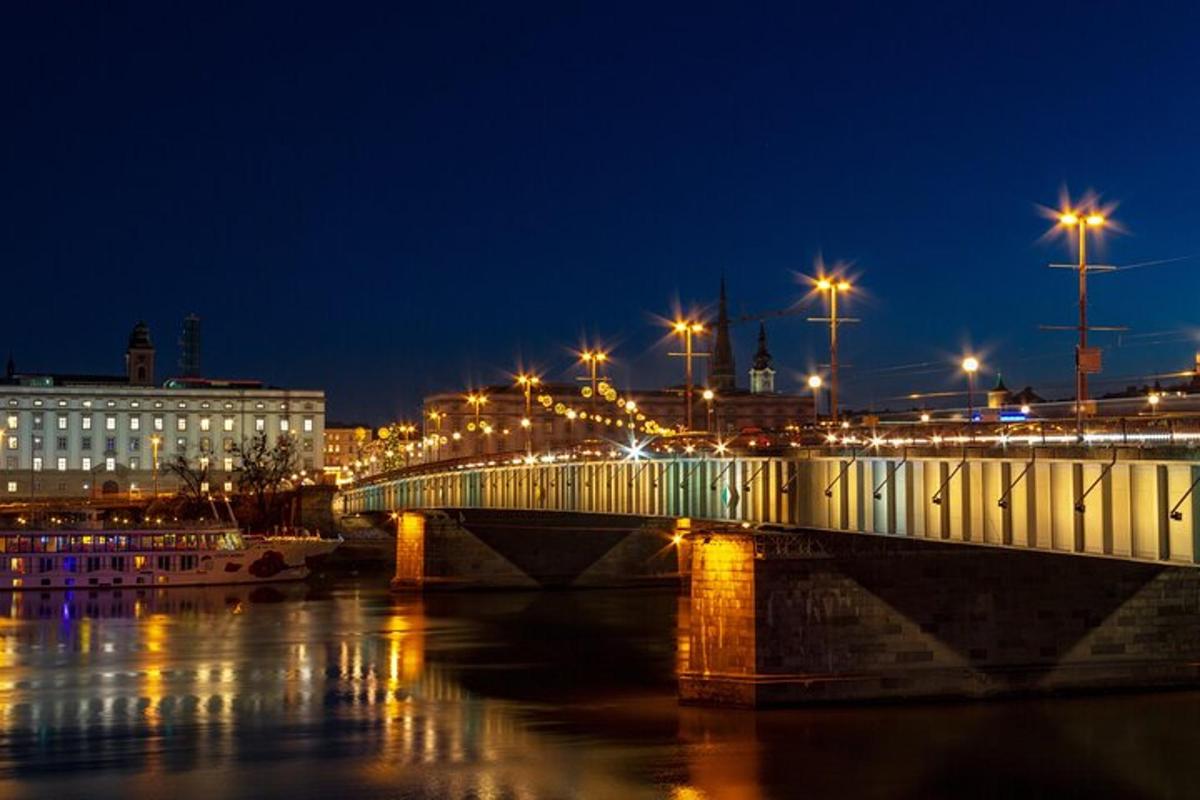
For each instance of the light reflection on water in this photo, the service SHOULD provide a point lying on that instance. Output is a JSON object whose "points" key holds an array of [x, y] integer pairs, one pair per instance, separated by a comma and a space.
{"points": [[347, 691]]}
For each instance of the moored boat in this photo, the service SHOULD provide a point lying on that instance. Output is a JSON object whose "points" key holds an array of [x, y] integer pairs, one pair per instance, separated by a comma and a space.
{"points": [[190, 555]]}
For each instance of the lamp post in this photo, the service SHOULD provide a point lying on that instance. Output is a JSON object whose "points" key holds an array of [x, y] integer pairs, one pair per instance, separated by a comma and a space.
{"points": [[593, 359], [436, 418], [477, 401], [709, 396], [527, 382], [970, 365], [1154, 399], [1084, 362], [833, 286], [155, 440], [686, 329], [814, 383]]}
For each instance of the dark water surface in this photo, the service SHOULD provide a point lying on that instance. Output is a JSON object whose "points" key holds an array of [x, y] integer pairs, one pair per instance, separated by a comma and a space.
{"points": [[345, 691]]}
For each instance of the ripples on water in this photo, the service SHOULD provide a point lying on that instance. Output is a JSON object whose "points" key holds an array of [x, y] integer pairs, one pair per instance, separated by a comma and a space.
{"points": [[345, 691]]}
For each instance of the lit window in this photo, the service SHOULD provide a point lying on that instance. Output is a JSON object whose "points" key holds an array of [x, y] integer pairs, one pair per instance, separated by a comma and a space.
{"points": [[135, 423], [259, 405], [62, 464], [13, 419], [12, 486], [86, 463], [181, 423], [203, 462], [111, 403], [87, 423], [284, 425], [37, 402], [308, 424], [37, 463], [228, 486], [158, 422], [62, 422], [110, 464], [204, 486], [181, 443], [260, 424], [205, 423], [134, 463], [13, 443], [227, 464], [110, 422], [134, 404], [37, 421], [87, 403], [228, 423], [62, 403]]}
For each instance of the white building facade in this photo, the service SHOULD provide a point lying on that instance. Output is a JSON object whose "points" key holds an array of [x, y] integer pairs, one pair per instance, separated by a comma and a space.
{"points": [[81, 441]]}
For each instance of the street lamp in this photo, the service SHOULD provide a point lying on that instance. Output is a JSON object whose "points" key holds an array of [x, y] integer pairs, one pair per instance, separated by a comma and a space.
{"points": [[1085, 360], [155, 441], [814, 383], [970, 365], [1154, 399], [686, 329], [593, 358], [709, 395], [478, 400], [527, 382], [436, 417], [833, 286]]}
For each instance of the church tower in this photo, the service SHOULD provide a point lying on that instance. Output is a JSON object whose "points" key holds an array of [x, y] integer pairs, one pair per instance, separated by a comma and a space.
{"points": [[139, 356], [722, 375], [762, 374]]}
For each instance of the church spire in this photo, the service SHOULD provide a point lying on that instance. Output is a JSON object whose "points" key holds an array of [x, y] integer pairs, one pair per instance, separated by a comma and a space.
{"points": [[762, 373], [722, 373]]}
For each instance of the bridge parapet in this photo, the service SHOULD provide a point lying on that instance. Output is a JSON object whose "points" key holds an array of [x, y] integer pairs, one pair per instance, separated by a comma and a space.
{"points": [[1113, 503]]}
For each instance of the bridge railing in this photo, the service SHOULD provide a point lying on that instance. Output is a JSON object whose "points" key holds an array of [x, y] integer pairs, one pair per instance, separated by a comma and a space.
{"points": [[1115, 504]]}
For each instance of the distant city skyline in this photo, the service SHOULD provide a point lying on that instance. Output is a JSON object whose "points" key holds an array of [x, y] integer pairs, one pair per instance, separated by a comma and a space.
{"points": [[402, 201]]}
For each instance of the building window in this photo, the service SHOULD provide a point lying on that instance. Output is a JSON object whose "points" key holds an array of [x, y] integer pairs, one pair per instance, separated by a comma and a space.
{"points": [[203, 462], [134, 463], [181, 423], [12, 486], [308, 424], [60, 443], [228, 423], [228, 486], [228, 444], [110, 444], [37, 463], [87, 403], [227, 464], [260, 424], [308, 444], [85, 443], [86, 463], [181, 443], [284, 425], [62, 464], [110, 422], [205, 444], [183, 405], [134, 404], [10, 462], [13, 443], [87, 422], [135, 423], [37, 421], [259, 404], [111, 403], [205, 423], [62, 422], [13, 419], [135, 444], [158, 421], [110, 464], [37, 402], [37, 443], [205, 404]]}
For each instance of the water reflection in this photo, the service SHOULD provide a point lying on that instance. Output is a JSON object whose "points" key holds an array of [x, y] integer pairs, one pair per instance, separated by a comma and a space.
{"points": [[345, 691]]}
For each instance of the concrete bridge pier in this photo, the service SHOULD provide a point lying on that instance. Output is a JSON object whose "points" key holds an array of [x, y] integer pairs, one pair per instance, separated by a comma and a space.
{"points": [[506, 549], [791, 618]]}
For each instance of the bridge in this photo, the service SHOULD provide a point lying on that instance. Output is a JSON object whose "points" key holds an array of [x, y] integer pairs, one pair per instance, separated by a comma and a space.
{"points": [[843, 573]]}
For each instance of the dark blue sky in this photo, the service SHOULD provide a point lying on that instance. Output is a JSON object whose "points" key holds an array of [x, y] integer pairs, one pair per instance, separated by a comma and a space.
{"points": [[387, 199]]}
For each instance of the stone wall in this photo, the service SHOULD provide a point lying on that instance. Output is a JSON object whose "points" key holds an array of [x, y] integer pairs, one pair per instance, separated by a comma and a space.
{"points": [[840, 618]]}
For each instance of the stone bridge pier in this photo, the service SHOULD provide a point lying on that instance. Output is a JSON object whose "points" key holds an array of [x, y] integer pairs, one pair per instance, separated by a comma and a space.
{"points": [[784, 618]]}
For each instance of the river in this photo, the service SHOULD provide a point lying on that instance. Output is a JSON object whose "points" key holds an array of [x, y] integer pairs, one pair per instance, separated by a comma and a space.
{"points": [[343, 690]]}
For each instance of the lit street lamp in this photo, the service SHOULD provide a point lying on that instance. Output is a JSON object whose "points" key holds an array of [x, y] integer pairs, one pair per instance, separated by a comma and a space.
{"points": [[970, 365], [709, 396], [1154, 399], [527, 382], [686, 329], [833, 286], [814, 383], [1085, 360]]}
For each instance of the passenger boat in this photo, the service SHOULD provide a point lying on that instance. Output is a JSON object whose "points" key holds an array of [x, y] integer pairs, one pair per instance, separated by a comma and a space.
{"points": [[190, 555]]}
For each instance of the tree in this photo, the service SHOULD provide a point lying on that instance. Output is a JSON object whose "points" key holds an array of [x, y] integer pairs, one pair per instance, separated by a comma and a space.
{"points": [[263, 468], [193, 480]]}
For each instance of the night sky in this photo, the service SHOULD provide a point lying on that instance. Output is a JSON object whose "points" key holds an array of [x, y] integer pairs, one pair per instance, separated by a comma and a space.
{"points": [[383, 200]]}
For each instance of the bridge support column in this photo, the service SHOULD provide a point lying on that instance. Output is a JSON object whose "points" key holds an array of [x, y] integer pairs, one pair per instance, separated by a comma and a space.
{"points": [[781, 619]]}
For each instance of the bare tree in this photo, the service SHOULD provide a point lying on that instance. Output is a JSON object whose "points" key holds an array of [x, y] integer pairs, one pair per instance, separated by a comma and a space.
{"points": [[193, 478], [264, 468]]}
